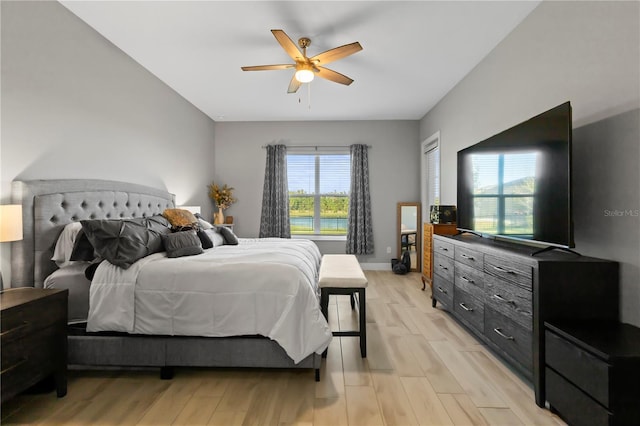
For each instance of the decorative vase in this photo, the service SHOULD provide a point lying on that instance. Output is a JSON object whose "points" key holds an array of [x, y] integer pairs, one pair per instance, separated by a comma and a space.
{"points": [[218, 217]]}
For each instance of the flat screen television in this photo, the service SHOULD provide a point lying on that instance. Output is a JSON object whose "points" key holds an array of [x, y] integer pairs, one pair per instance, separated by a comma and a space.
{"points": [[517, 184]]}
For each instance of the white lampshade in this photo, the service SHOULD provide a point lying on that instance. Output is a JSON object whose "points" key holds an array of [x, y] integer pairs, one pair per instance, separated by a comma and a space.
{"points": [[304, 75], [10, 222], [192, 209]]}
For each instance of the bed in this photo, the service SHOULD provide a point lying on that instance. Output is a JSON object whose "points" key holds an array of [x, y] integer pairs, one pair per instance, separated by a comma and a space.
{"points": [[50, 205]]}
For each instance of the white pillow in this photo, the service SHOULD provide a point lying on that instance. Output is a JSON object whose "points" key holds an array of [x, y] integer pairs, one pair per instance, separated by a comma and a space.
{"points": [[64, 245]]}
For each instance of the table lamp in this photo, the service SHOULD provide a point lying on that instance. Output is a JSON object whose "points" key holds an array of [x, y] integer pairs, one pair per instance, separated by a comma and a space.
{"points": [[10, 225]]}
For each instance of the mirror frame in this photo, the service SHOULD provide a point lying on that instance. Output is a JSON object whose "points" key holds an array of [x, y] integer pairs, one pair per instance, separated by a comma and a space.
{"points": [[417, 267]]}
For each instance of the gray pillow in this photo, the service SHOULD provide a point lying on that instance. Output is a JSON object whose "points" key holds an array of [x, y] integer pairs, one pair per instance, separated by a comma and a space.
{"points": [[216, 237], [205, 240], [228, 235], [123, 242], [183, 243], [82, 248]]}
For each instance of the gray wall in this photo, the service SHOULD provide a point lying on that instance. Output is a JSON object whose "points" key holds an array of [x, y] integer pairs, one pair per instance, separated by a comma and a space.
{"points": [[394, 164], [75, 106], [587, 53]]}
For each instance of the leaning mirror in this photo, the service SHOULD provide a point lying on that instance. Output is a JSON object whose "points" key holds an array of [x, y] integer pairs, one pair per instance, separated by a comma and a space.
{"points": [[408, 232]]}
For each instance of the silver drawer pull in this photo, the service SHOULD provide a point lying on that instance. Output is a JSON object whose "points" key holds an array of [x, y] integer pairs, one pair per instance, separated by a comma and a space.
{"points": [[462, 305], [497, 268], [467, 257], [443, 267], [502, 299], [501, 334], [443, 248], [467, 280], [442, 290]]}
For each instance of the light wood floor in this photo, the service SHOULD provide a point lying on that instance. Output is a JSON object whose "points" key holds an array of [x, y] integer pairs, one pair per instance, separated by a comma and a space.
{"points": [[422, 369]]}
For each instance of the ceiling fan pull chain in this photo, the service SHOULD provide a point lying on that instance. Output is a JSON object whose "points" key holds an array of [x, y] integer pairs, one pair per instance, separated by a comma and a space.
{"points": [[309, 95]]}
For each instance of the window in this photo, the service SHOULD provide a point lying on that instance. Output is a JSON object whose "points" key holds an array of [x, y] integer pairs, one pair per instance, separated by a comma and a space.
{"points": [[318, 193], [503, 193], [430, 174]]}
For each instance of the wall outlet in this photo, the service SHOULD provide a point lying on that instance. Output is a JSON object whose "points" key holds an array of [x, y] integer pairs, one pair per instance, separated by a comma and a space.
{"points": [[388, 250]]}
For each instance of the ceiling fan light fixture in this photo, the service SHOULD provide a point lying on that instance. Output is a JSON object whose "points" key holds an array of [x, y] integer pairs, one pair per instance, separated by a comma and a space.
{"points": [[306, 67], [304, 75]]}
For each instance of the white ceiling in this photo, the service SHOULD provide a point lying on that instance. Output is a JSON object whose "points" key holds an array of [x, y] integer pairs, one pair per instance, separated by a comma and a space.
{"points": [[413, 52]]}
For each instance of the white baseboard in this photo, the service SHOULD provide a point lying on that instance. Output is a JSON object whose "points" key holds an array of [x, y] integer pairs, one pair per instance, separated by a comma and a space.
{"points": [[376, 266]]}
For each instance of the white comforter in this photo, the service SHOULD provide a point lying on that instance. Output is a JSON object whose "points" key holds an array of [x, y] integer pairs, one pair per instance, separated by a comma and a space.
{"points": [[261, 286]]}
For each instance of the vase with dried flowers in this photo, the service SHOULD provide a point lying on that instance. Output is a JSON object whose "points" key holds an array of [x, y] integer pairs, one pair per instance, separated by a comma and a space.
{"points": [[223, 196]]}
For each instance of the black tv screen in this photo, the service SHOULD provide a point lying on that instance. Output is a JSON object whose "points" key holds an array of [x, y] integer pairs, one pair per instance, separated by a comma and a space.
{"points": [[517, 184]]}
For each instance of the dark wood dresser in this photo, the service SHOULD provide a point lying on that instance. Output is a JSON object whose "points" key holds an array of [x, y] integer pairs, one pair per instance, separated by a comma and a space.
{"points": [[429, 230], [593, 372], [33, 339], [503, 294]]}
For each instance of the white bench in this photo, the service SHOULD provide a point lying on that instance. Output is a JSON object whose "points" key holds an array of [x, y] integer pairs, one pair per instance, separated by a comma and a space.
{"points": [[341, 274]]}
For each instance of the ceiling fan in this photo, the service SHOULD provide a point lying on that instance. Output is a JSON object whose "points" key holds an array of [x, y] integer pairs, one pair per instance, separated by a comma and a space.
{"points": [[306, 68]]}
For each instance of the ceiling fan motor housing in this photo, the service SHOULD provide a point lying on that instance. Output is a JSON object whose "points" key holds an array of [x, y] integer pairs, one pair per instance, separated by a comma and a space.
{"points": [[304, 42]]}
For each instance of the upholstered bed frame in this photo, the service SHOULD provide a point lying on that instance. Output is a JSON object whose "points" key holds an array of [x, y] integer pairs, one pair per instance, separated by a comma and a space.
{"points": [[48, 205]]}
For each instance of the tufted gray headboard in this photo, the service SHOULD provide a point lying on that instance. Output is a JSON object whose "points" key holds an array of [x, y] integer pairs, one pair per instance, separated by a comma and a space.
{"points": [[48, 205]]}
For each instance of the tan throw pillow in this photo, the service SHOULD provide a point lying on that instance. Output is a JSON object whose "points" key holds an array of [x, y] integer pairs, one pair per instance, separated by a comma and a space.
{"points": [[180, 218]]}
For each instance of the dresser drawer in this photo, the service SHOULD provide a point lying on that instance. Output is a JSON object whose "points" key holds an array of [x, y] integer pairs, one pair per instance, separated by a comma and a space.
{"points": [[443, 290], [29, 318], [444, 248], [473, 258], [517, 273], [589, 373], [34, 340], [28, 360], [510, 300], [469, 309], [574, 405], [469, 280], [443, 266], [509, 336]]}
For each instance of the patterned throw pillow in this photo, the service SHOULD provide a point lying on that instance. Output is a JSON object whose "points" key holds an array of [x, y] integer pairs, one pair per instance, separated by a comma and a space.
{"points": [[180, 219]]}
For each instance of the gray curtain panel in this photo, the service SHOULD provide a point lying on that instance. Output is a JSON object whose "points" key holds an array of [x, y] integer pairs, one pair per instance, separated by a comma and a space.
{"points": [[360, 229], [274, 221]]}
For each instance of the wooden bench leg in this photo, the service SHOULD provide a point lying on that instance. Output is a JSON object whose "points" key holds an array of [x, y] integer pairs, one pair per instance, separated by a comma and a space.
{"points": [[363, 322], [362, 308], [324, 308], [324, 302]]}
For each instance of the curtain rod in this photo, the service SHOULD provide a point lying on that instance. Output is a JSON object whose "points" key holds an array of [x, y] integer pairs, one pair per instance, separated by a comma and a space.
{"points": [[316, 147]]}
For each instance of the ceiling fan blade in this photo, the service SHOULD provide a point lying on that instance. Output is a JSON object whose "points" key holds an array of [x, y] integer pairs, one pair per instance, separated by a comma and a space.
{"points": [[334, 54], [294, 85], [334, 76], [268, 67], [288, 45]]}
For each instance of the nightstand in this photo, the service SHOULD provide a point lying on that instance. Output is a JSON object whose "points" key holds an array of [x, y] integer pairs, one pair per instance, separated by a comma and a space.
{"points": [[593, 372], [227, 225], [33, 339]]}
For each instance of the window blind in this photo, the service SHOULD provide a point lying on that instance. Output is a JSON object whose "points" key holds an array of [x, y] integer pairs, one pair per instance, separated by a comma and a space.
{"points": [[319, 185], [433, 173]]}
